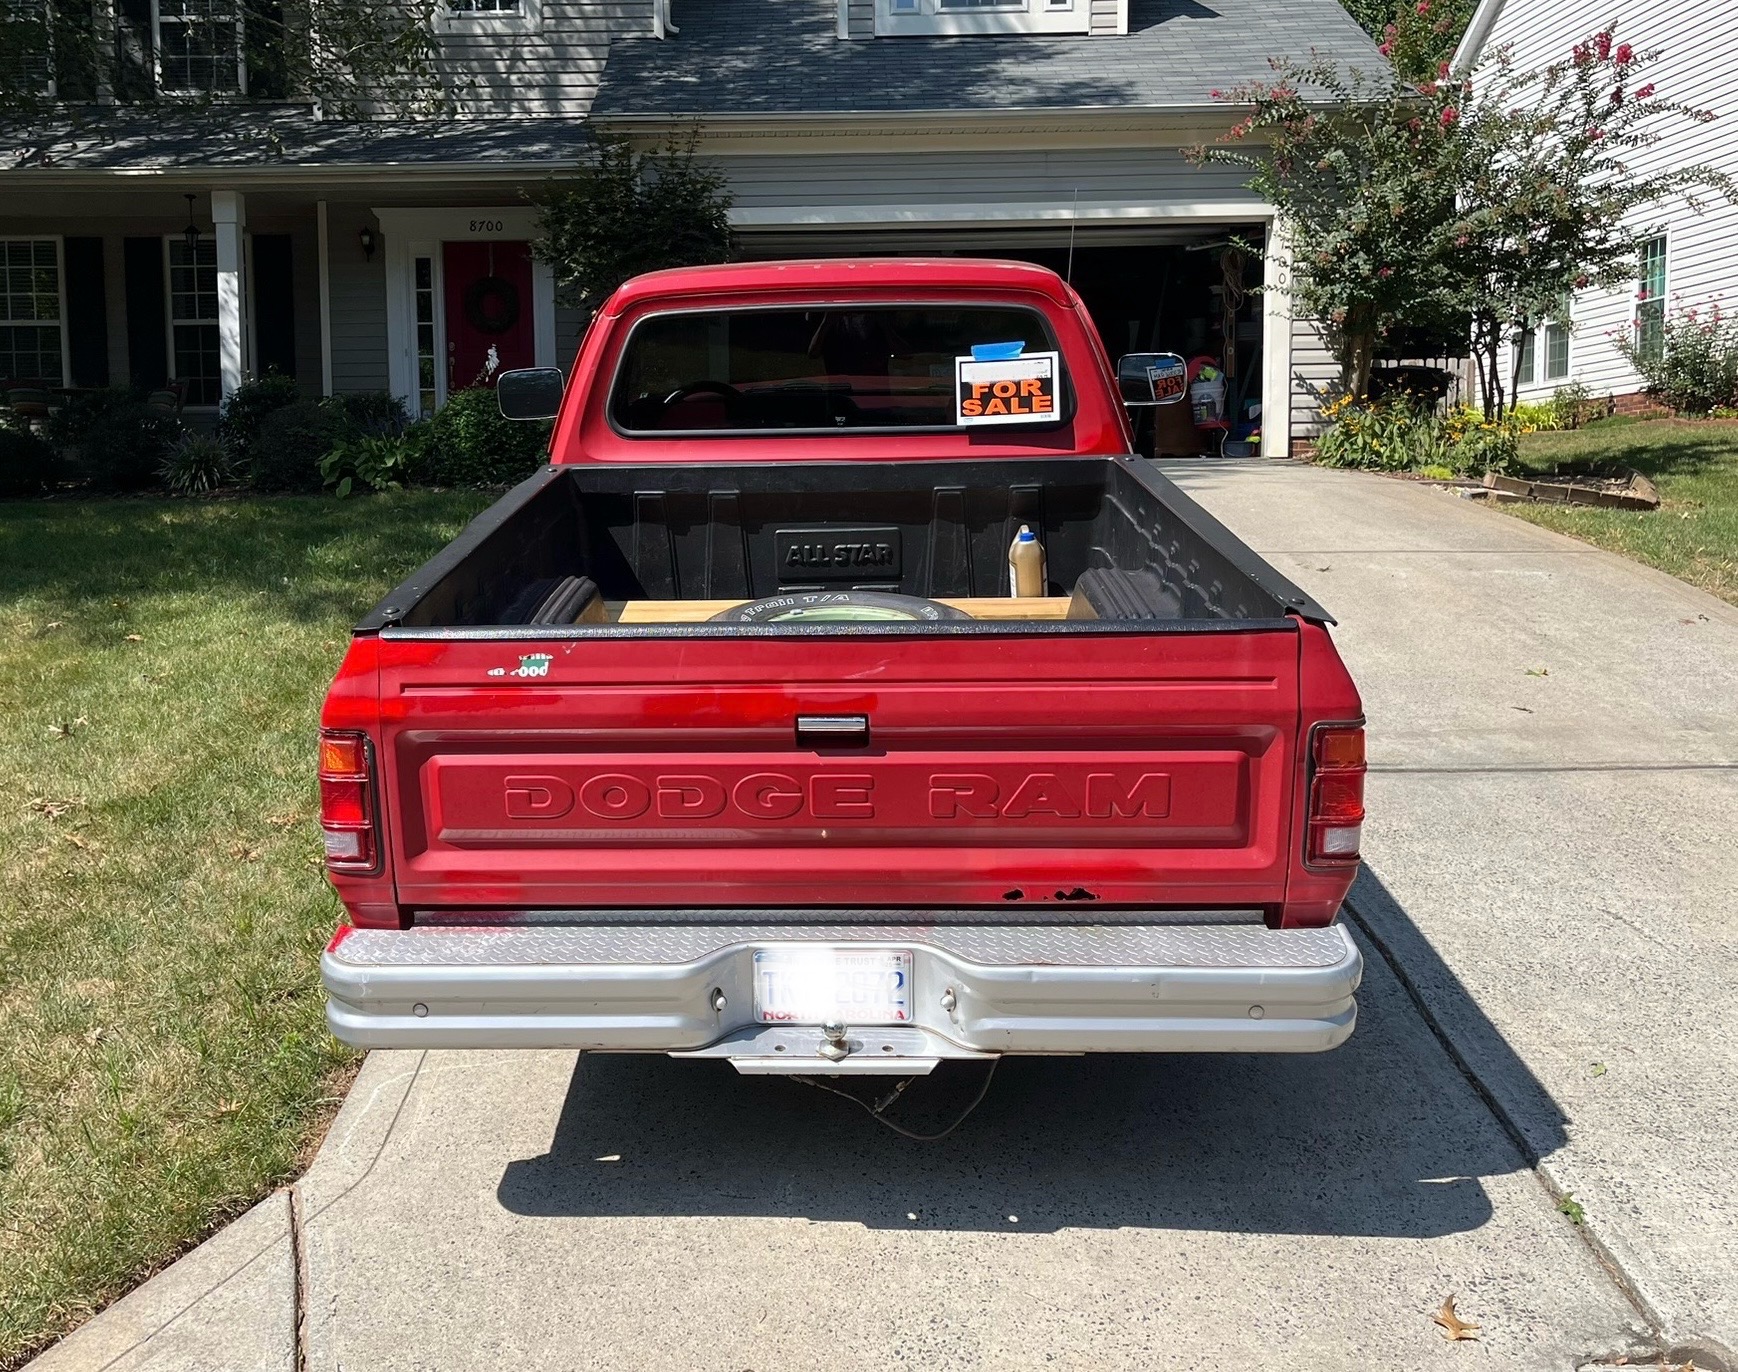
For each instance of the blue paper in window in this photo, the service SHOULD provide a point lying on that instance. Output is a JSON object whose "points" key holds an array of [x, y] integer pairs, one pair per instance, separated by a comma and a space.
{"points": [[996, 352]]}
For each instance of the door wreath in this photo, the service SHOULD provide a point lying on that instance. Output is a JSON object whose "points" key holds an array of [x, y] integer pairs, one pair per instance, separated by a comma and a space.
{"points": [[491, 304]]}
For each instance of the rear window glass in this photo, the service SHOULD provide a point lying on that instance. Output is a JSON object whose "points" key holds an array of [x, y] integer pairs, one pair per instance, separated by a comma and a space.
{"points": [[818, 368]]}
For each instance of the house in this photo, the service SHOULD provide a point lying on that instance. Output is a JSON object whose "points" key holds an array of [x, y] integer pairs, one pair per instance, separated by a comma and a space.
{"points": [[1686, 260], [154, 245]]}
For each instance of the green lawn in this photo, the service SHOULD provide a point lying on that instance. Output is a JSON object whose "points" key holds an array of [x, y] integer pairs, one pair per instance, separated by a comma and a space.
{"points": [[1694, 533], [163, 1061]]}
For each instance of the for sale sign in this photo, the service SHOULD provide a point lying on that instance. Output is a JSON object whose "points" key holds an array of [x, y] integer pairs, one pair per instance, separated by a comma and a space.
{"points": [[1015, 390]]}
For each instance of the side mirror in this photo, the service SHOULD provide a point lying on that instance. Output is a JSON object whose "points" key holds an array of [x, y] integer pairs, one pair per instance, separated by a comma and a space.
{"points": [[1152, 378], [530, 392]]}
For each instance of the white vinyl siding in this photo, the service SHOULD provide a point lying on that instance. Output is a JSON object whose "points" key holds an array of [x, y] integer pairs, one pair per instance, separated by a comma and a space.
{"points": [[1696, 39], [539, 58], [32, 317]]}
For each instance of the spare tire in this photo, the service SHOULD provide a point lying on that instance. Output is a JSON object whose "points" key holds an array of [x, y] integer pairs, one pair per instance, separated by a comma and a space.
{"points": [[839, 607]]}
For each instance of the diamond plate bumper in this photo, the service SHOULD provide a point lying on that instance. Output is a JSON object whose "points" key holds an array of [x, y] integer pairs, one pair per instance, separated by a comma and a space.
{"points": [[978, 989]]}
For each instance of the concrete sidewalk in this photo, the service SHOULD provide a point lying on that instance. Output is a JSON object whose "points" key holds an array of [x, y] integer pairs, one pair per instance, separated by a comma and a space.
{"points": [[1553, 841]]}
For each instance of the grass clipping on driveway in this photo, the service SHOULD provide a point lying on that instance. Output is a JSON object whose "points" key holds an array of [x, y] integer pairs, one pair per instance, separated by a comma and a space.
{"points": [[1694, 463], [163, 1057]]}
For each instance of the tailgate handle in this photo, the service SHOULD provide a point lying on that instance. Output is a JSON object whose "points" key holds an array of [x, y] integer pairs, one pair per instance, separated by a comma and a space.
{"points": [[832, 731]]}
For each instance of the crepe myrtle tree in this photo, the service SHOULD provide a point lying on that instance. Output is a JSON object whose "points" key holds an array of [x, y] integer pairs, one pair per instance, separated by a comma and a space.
{"points": [[1552, 201], [78, 59], [634, 212], [1454, 202], [1364, 174]]}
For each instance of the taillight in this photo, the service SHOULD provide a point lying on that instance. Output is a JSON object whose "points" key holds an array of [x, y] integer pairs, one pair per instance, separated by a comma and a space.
{"points": [[1336, 809], [347, 802]]}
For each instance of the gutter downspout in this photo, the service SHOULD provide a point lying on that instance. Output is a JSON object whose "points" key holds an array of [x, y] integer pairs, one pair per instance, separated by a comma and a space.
{"points": [[1472, 44]]}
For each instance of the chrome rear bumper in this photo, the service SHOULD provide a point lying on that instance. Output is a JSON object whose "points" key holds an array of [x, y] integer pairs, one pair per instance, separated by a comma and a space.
{"points": [[977, 990]]}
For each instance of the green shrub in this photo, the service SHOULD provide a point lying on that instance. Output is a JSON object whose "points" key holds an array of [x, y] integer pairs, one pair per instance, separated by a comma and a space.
{"points": [[373, 412], [246, 410], [1572, 407], [290, 443], [1398, 433], [469, 443], [1473, 444], [1536, 416], [112, 439], [196, 463], [371, 462], [28, 464], [1694, 367]]}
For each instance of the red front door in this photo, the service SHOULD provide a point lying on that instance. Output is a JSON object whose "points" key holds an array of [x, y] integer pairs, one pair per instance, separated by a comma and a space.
{"points": [[488, 288]]}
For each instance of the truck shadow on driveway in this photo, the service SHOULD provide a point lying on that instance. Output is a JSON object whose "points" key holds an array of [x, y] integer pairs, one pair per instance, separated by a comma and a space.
{"points": [[1383, 1137]]}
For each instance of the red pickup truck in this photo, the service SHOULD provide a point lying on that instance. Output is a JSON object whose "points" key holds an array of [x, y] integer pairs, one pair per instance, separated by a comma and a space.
{"points": [[725, 736]]}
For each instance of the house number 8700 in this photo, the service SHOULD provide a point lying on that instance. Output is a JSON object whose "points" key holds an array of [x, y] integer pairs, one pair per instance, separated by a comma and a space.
{"points": [[486, 226]]}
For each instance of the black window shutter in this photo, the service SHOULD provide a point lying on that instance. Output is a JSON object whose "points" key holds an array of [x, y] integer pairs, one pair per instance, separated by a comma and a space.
{"points": [[147, 344], [87, 312], [274, 305]]}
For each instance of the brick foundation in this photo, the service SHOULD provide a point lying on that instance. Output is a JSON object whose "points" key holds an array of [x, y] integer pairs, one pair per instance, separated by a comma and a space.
{"points": [[1636, 403], [1303, 449]]}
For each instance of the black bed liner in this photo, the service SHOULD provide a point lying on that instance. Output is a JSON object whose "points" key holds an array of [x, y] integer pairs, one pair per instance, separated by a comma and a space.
{"points": [[742, 531]]}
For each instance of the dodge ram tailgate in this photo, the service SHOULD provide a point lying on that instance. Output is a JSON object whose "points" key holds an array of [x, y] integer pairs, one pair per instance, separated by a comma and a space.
{"points": [[918, 772]]}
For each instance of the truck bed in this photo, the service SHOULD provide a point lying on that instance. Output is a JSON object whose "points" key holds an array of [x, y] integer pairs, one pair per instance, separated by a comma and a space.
{"points": [[941, 530], [1138, 756]]}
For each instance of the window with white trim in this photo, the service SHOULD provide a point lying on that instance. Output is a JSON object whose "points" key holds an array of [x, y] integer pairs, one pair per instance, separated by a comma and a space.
{"points": [[1650, 298], [427, 356], [489, 16], [31, 342], [1547, 343], [894, 18], [195, 357], [199, 46]]}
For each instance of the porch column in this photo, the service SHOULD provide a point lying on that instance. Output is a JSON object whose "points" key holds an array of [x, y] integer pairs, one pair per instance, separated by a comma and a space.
{"points": [[228, 219], [1276, 379]]}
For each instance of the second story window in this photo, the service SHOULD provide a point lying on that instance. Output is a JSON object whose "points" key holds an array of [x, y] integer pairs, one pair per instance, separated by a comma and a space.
{"points": [[459, 17], [910, 18], [199, 46]]}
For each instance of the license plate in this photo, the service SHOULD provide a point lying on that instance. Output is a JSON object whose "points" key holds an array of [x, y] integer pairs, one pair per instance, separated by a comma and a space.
{"points": [[821, 985]]}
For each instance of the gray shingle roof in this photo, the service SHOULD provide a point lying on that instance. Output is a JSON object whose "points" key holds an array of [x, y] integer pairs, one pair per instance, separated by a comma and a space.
{"points": [[254, 136], [784, 57]]}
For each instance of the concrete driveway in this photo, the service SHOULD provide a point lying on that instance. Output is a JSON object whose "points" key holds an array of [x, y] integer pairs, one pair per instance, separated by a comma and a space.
{"points": [[1553, 843], [1551, 871]]}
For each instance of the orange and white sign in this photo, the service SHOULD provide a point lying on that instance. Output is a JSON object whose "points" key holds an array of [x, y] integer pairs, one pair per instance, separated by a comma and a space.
{"points": [[1017, 390]]}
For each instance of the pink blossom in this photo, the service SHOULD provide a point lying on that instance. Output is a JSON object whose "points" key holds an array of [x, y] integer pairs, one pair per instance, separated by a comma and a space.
{"points": [[1386, 49], [1449, 116], [1441, 70], [1582, 53], [1428, 88], [1645, 91], [1602, 45], [1625, 54], [1581, 282], [1385, 272], [1216, 94], [1424, 6]]}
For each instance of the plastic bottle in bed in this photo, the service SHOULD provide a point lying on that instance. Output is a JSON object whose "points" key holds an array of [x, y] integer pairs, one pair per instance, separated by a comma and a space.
{"points": [[1026, 570]]}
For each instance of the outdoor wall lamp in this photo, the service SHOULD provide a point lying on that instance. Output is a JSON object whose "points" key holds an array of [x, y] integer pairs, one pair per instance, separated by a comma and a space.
{"points": [[366, 238], [191, 232]]}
